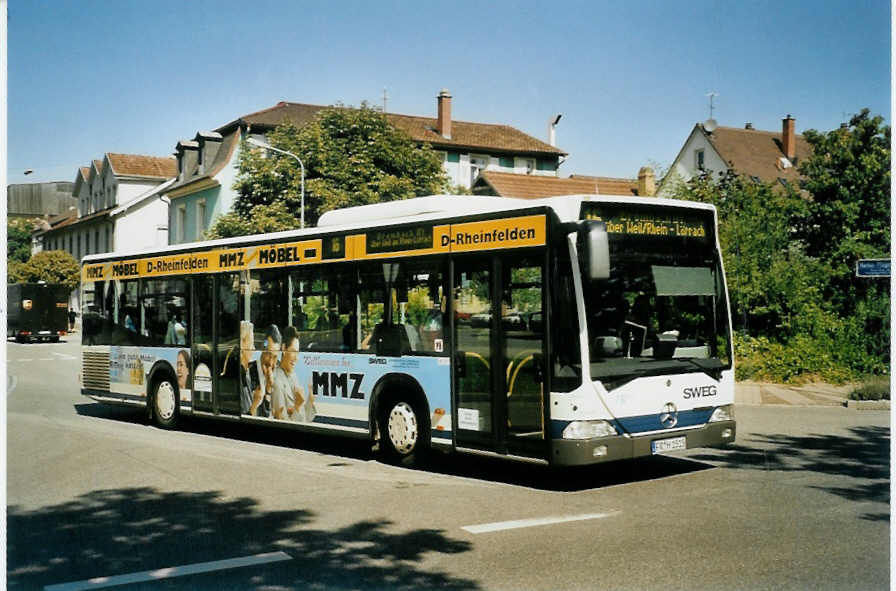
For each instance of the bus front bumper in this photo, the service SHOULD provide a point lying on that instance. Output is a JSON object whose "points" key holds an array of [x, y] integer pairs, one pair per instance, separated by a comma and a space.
{"points": [[581, 452]]}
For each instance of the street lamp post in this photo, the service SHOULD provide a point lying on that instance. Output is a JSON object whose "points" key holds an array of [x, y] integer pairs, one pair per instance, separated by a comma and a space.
{"points": [[261, 144]]}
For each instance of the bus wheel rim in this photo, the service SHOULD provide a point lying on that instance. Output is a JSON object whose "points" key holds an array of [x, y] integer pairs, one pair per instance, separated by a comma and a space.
{"points": [[402, 428], [165, 401]]}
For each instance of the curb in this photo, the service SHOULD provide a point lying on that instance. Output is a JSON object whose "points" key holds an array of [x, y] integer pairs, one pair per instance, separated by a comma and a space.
{"points": [[867, 404]]}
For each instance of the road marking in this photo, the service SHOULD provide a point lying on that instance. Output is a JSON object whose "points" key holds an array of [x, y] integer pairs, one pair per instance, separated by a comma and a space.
{"points": [[485, 528], [11, 385], [174, 571], [64, 356]]}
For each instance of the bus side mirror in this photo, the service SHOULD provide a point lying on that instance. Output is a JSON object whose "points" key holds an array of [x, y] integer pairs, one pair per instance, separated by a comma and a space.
{"points": [[594, 249]]}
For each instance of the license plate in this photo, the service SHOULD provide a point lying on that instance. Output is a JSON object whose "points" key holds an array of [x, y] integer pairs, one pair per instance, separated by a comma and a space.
{"points": [[664, 445]]}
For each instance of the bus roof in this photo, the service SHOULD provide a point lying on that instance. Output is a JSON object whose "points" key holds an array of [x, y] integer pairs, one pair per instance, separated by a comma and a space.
{"points": [[419, 209]]}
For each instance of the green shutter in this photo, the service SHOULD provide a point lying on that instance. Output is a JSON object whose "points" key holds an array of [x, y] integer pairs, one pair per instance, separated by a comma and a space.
{"points": [[506, 162], [453, 157], [546, 165]]}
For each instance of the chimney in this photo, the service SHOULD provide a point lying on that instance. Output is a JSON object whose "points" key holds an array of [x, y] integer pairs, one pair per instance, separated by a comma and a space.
{"points": [[748, 126], [443, 125], [788, 137], [646, 182]]}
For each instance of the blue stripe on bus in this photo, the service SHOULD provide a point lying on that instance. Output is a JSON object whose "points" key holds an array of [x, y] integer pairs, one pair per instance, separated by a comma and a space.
{"points": [[644, 423]]}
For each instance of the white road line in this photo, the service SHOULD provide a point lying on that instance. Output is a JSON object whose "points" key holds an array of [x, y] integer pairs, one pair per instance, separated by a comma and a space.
{"points": [[11, 384], [64, 356], [174, 571], [485, 528]]}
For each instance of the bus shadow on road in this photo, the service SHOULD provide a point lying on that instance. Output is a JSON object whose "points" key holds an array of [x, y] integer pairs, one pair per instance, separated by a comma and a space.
{"points": [[106, 533], [574, 479]]}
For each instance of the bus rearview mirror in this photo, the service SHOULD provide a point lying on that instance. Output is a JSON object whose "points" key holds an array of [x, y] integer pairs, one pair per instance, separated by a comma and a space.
{"points": [[594, 249]]}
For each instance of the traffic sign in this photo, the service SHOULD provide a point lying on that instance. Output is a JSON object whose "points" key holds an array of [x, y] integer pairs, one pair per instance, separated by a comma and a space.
{"points": [[873, 268]]}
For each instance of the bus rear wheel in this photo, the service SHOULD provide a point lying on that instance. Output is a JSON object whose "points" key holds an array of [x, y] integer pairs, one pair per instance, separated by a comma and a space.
{"points": [[164, 403], [403, 433]]}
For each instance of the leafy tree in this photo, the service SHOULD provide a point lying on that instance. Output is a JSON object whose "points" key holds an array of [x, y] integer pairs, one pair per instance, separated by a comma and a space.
{"points": [[52, 266], [18, 240], [848, 215], [351, 157]]}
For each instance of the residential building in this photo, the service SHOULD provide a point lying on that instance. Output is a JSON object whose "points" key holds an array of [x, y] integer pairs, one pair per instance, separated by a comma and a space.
{"points": [[207, 165], [762, 156], [525, 186], [119, 208]]}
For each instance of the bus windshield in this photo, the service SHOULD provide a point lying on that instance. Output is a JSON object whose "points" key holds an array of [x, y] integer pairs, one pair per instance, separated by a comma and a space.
{"points": [[657, 314]]}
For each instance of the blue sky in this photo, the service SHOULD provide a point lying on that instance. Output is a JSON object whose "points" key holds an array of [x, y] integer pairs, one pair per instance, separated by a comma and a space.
{"points": [[630, 77]]}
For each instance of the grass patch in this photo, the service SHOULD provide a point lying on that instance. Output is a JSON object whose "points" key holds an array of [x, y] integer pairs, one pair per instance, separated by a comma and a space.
{"points": [[876, 388]]}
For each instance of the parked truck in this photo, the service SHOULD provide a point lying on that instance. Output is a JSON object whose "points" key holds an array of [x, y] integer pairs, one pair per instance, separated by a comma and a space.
{"points": [[36, 311]]}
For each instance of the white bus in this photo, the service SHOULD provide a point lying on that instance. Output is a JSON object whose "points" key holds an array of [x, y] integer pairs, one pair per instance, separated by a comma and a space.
{"points": [[566, 331]]}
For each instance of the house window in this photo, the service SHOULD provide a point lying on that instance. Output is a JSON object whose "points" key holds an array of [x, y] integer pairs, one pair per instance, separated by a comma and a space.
{"points": [[546, 165], [200, 218], [477, 165], [106, 237], [96, 241], [505, 162], [181, 223], [452, 157], [699, 159]]}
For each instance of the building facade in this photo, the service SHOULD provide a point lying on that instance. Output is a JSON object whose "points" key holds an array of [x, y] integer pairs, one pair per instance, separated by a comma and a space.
{"points": [[762, 156], [118, 208], [207, 164]]}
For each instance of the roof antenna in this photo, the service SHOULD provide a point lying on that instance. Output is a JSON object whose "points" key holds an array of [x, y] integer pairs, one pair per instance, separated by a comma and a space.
{"points": [[385, 97], [711, 124]]}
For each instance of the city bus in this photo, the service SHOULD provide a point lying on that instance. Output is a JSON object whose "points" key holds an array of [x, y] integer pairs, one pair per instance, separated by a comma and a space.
{"points": [[567, 331]]}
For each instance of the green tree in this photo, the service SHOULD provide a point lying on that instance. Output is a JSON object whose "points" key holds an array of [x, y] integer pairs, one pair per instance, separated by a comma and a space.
{"points": [[18, 240], [848, 215], [52, 266], [351, 157]]}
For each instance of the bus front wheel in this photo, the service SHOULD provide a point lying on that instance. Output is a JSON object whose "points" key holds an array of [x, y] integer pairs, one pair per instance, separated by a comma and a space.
{"points": [[164, 403], [403, 433]]}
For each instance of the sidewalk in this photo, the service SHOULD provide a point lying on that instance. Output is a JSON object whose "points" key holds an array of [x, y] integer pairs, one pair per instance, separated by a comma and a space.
{"points": [[815, 394]]}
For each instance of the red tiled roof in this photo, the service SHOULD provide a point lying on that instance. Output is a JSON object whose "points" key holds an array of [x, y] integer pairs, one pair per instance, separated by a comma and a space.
{"points": [[756, 153], [527, 186], [481, 136], [147, 166]]}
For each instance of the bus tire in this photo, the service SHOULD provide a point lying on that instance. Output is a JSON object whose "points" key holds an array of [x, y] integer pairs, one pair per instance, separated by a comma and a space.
{"points": [[164, 402], [404, 432]]}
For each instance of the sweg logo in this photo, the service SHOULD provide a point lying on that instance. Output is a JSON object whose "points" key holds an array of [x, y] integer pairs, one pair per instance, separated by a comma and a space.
{"points": [[701, 392]]}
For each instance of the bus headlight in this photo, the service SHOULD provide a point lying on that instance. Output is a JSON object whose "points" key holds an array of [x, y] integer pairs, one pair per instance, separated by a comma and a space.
{"points": [[589, 430], [723, 413]]}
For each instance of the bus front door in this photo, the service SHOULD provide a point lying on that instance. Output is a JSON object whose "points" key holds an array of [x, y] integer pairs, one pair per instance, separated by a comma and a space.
{"points": [[215, 347], [498, 340]]}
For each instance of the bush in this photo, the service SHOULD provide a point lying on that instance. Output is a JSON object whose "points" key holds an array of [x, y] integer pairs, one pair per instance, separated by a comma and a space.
{"points": [[876, 388]]}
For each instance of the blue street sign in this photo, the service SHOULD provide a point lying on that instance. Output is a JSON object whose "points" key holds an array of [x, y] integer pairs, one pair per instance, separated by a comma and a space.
{"points": [[873, 268]]}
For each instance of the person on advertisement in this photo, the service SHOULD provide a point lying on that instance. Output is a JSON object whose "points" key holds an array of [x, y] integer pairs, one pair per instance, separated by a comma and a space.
{"points": [[288, 396], [183, 370], [262, 375], [247, 347]]}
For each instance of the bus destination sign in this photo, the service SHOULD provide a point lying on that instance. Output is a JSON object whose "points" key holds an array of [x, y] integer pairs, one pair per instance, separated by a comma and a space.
{"points": [[653, 223], [400, 239]]}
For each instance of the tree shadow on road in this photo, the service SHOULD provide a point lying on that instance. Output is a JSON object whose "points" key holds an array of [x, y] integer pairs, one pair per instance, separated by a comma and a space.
{"points": [[127, 530], [863, 456]]}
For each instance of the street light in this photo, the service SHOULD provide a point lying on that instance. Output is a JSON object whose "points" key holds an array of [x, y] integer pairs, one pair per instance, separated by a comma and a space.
{"points": [[261, 144]]}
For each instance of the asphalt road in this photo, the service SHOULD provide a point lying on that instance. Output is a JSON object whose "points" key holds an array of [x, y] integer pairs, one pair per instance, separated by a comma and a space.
{"points": [[801, 501]]}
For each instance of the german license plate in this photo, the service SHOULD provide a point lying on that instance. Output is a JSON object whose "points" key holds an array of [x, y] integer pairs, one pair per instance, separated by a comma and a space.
{"points": [[664, 445]]}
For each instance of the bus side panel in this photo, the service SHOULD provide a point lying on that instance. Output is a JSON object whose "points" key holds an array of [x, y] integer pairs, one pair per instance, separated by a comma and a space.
{"points": [[128, 372], [342, 384]]}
